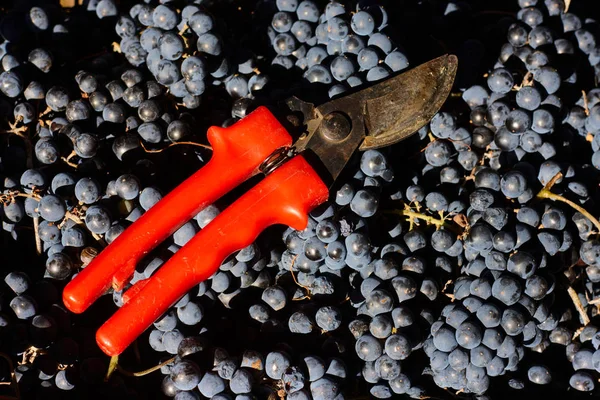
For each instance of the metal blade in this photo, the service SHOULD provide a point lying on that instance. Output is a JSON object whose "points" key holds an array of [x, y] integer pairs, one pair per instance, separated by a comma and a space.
{"points": [[378, 116], [407, 102]]}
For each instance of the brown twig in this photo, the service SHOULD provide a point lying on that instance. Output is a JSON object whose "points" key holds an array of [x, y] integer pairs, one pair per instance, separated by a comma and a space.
{"points": [[567, 5], [578, 305], [594, 301], [204, 146], [146, 371], [413, 216], [67, 159], [69, 215], [586, 105], [527, 81], [21, 132], [112, 367], [545, 193], [30, 354], [578, 332], [308, 294], [38, 241]]}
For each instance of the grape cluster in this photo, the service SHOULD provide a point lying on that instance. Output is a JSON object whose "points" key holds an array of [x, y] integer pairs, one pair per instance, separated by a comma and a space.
{"points": [[183, 49], [334, 47], [515, 148]]}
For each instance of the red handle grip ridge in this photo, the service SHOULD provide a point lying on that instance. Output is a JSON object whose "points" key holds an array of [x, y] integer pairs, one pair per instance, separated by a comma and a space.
{"points": [[284, 197], [238, 151]]}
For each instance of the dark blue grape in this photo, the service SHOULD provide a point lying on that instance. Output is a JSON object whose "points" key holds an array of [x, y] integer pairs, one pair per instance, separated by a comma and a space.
{"points": [[318, 73], [276, 364], [185, 375], [241, 382], [106, 8], [518, 121], [23, 306], [438, 153], [539, 374], [481, 356], [380, 41], [500, 81], [517, 35], [308, 11], [444, 339], [282, 22], [211, 384], [170, 46], [363, 23], [200, 22], [287, 5], [543, 121], [328, 318], [353, 44], [368, 348], [507, 289], [377, 73], [324, 388], [548, 77], [582, 381], [513, 322], [302, 31], [468, 335], [342, 68]]}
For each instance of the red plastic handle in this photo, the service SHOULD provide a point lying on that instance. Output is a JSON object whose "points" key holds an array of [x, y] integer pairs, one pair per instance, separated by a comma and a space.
{"points": [[238, 151], [284, 197]]}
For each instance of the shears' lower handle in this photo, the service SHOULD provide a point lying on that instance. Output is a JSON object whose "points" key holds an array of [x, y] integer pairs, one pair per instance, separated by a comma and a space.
{"points": [[238, 151], [284, 197]]}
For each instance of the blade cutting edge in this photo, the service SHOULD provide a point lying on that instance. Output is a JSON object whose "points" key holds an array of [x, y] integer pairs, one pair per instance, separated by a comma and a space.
{"points": [[407, 102]]}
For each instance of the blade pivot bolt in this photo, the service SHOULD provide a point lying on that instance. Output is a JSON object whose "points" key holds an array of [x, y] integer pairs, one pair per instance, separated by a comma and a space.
{"points": [[336, 126]]}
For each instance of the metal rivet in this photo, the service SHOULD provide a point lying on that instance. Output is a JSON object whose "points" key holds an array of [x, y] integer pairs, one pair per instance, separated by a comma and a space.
{"points": [[336, 126]]}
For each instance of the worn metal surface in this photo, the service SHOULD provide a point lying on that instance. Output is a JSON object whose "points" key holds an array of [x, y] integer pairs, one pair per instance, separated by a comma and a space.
{"points": [[404, 105], [378, 116]]}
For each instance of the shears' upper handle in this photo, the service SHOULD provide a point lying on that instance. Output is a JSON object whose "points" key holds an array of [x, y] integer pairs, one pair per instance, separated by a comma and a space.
{"points": [[286, 196], [238, 151]]}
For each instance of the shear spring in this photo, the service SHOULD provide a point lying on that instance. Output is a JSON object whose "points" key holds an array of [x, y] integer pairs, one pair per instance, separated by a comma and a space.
{"points": [[275, 159]]}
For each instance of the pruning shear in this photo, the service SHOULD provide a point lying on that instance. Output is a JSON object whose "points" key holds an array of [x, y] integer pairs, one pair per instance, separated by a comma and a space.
{"points": [[377, 116]]}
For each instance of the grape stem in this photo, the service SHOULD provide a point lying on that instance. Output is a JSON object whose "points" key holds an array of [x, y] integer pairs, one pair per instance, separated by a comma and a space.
{"points": [[567, 5], [578, 332], [38, 241], [146, 371], [307, 296], [578, 305], [21, 132], [7, 197], [430, 220], [586, 107], [112, 367], [545, 193], [67, 159], [427, 218], [30, 354], [527, 81]]}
